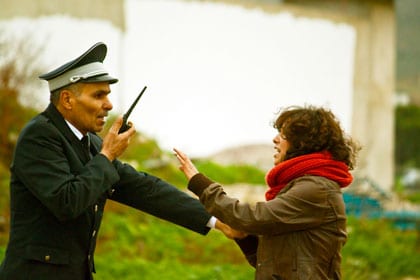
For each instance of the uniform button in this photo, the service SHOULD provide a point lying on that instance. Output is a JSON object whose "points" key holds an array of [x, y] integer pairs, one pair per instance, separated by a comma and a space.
{"points": [[111, 192], [93, 233], [88, 257], [96, 207], [47, 258]]}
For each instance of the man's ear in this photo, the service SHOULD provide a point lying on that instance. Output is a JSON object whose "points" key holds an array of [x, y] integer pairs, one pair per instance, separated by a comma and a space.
{"points": [[65, 99]]}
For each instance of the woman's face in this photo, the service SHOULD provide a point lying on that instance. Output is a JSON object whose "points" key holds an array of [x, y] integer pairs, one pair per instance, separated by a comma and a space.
{"points": [[281, 145]]}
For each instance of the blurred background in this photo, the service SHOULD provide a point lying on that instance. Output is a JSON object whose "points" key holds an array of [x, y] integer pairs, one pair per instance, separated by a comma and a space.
{"points": [[217, 73]]}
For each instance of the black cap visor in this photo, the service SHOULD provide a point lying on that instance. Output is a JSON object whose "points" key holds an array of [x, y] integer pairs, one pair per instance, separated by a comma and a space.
{"points": [[99, 79]]}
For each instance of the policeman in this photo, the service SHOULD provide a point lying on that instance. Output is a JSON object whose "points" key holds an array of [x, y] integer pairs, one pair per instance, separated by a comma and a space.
{"points": [[58, 188]]}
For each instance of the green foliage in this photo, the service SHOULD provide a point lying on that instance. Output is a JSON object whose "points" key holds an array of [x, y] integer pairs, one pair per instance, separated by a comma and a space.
{"points": [[407, 146], [133, 269], [414, 197], [156, 240], [134, 245], [144, 151], [4, 203], [231, 174], [14, 77], [376, 248], [155, 249], [4, 187]]}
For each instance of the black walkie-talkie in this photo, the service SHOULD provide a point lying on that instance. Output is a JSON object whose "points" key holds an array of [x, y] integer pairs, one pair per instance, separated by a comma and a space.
{"points": [[125, 126]]}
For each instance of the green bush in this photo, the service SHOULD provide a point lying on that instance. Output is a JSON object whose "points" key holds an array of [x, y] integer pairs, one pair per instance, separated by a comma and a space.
{"points": [[407, 146], [137, 268], [133, 245], [376, 247], [154, 249], [232, 173]]}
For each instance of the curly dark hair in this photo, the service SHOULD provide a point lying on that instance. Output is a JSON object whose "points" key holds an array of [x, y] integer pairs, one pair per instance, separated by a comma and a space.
{"points": [[312, 129]]}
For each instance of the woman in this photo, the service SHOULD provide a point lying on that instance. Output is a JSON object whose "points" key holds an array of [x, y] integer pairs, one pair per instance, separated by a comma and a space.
{"points": [[298, 232]]}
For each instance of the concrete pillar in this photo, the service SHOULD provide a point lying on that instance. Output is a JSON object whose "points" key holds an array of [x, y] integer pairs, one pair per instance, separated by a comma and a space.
{"points": [[374, 83]]}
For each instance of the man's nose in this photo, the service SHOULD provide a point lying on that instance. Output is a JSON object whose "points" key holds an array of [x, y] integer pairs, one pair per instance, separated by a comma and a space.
{"points": [[108, 105]]}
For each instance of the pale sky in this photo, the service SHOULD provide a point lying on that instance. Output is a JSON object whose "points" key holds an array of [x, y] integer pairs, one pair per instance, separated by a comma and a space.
{"points": [[216, 74]]}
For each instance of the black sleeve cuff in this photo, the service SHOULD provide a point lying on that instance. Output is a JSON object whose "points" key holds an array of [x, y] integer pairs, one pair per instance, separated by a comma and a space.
{"points": [[198, 183], [249, 247], [248, 244]]}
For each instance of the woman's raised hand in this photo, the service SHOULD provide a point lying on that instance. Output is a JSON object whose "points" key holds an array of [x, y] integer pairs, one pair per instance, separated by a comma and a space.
{"points": [[186, 166]]}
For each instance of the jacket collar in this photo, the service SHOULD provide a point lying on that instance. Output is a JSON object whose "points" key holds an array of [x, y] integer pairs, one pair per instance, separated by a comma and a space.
{"points": [[60, 123]]}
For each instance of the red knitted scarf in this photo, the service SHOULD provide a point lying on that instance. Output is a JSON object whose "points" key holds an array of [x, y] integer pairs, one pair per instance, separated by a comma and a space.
{"points": [[317, 164]]}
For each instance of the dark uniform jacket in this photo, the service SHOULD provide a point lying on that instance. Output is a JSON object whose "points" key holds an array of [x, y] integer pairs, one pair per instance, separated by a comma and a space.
{"points": [[58, 196], [297, 235]]}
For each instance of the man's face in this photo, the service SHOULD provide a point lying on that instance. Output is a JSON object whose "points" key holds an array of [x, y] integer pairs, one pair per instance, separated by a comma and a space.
{"points": [[89, 107]]}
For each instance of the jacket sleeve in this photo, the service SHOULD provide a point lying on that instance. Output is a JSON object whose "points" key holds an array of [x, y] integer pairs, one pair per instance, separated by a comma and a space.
{"points": [[154, 196], [304, 205], [48, 166]]}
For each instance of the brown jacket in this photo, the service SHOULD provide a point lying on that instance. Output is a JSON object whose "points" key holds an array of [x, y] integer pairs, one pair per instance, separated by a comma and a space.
{"points": [[300, 232]]}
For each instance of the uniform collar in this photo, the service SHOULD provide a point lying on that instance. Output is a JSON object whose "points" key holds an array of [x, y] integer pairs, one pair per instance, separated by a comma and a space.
{"points": [[76, 132]]}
